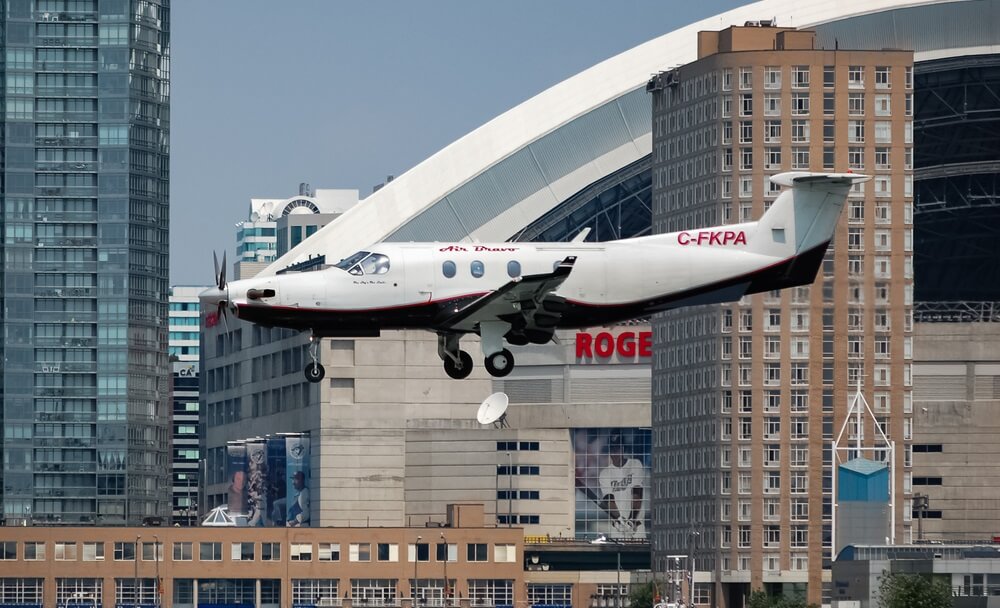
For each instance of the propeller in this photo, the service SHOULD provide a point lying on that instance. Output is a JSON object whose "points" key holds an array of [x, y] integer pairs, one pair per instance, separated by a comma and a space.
{"points": [[220, 295]]}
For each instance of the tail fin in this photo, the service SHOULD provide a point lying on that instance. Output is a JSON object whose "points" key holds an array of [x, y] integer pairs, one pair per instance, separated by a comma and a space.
{"points": [[804, 217]]}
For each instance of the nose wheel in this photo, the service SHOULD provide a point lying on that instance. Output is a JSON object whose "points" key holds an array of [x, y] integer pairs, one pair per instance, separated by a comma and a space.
{"points": [[460, 367], [499, 364], [314, 371]]}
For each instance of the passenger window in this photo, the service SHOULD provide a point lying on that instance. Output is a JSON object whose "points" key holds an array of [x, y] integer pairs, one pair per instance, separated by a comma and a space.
{"points": [[448, 269], [513, 269], [477, 268]]}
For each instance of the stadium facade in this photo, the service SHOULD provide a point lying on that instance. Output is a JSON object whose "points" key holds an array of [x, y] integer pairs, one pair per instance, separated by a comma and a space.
{"points": [[577, 155]]}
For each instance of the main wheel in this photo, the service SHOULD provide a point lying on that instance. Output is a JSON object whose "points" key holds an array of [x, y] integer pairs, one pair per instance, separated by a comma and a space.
{"points": [[460, 369], [500, 364], [314, 372]]}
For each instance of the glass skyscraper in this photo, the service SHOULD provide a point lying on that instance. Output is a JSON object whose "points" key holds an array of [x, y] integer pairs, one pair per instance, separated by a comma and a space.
{"points": [[84, 393]]}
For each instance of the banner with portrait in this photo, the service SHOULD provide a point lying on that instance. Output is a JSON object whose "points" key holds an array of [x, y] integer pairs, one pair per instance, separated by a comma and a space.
{"points": [[298, 481], [236, 475], [612, 477]]}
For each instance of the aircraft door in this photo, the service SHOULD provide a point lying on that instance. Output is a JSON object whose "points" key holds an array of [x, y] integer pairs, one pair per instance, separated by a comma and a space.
{"points": [[419, 281]]}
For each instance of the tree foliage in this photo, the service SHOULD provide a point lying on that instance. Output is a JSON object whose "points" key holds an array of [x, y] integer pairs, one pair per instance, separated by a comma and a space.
{"points": [[642, 596], [760, 599], [901, 590]]}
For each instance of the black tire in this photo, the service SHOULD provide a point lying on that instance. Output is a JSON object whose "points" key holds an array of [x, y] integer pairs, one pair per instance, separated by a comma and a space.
{"points": [[314, 372], [499, 364], [460, 370]]}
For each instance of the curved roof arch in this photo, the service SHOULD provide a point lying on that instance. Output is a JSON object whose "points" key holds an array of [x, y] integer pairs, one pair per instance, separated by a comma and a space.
{"points": [[501, 177]]}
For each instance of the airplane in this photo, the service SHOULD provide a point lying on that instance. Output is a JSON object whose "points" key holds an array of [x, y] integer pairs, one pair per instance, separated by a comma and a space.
{"points": [[521, 293]]}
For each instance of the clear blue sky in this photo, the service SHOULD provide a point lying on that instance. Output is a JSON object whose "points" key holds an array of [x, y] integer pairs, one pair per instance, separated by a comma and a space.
{"points": [[339, 94]]}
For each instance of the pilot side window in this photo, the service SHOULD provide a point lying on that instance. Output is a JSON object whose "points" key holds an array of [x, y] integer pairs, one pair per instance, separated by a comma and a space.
{"points": [[448, 269], [376, 263], [477, 269], [513, 269]]}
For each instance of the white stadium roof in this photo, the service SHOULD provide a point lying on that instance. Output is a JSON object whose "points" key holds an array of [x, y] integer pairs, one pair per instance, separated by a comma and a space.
{"points": [[497, 179]]}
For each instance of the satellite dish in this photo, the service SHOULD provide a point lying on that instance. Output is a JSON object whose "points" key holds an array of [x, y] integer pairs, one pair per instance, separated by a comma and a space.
{"points": [[494, 410], [254, 217]]}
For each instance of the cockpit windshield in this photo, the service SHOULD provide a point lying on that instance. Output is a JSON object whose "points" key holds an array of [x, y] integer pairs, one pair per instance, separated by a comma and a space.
{"points": [[347, 262], [365, 262]]}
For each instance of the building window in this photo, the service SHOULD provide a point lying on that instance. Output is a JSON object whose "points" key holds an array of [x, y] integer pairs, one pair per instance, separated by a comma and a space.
{"points": [[856, 77], [800, 104], [800, 158], [504, 553], [746, 104], [183, 552], [239, 552], [746, 132], [124, 551], [387, 552], [883, 76], [856, 131], [328, 552], [746, 159], [800, 131], [800, 77], [746, 79], [300, 552], [210, 552], [744, 537], [65, 551], [772, 77], [8, 550], [856, 157], [93, 552], [856, 104], [476, 552], [360, 552], [270, 552], [883, 107], [772, 105]]}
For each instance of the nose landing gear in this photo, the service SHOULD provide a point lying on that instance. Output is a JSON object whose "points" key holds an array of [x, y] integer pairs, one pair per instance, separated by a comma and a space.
{"points": [[457, 362], [314, 371]]}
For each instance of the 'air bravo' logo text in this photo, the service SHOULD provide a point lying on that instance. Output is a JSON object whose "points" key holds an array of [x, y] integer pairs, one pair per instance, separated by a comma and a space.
{"points": [[712, 237]]}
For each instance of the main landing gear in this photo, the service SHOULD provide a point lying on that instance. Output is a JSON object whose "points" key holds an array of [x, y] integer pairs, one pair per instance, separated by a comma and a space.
{"points": [[314, 371], [458, 364]]}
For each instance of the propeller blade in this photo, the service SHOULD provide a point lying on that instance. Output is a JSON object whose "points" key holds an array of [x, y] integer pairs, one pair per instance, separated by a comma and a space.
{"points": [[224, 313], [222, 273]]}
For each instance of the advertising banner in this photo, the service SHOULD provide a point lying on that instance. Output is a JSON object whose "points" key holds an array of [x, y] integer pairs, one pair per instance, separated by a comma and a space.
{"points": [[236, 473], [275, 514], [298, 480], [612, 472], [257, 482]]}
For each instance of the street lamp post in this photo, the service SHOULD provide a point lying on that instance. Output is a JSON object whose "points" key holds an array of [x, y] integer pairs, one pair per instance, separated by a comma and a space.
{"points": [[445, 542], [156, 556], [603, 540], [135, 574], [416, 560]]}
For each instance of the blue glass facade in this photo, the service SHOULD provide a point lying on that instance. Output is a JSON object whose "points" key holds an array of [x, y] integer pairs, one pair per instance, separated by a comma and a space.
{"points": [[85, 265]]}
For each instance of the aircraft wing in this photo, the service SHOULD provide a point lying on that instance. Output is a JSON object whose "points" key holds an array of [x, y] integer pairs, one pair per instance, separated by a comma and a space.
{"points": [[518, 298]]}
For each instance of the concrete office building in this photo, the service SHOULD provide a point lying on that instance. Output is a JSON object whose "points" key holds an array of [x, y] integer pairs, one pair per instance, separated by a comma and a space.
{"points": [[394, 440], [184, 349], [747, 397], [956, 392], [274, 226], [84, 383]]}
